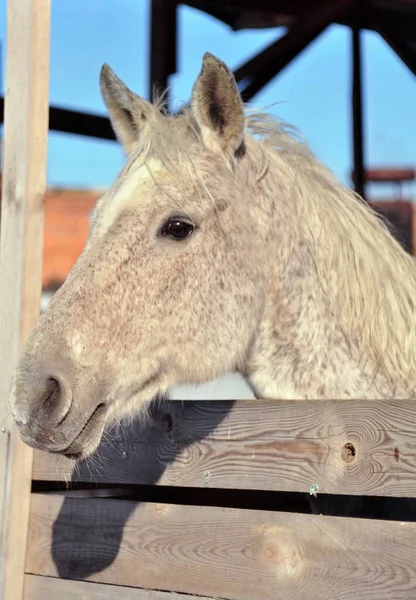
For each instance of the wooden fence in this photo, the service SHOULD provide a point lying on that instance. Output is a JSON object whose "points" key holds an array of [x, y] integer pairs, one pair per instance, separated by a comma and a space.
{"points": [[248, 500]]}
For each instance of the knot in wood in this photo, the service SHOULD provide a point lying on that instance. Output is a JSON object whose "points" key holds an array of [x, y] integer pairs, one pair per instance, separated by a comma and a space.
{"points": [[348, 453], [279, 552]]}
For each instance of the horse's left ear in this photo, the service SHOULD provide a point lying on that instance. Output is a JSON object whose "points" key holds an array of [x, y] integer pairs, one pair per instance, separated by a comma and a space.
{"points": [[218, 108]]}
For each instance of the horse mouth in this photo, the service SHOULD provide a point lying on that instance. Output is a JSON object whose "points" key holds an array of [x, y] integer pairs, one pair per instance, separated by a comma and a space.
{"points": [[89, 432], [88, 439]]}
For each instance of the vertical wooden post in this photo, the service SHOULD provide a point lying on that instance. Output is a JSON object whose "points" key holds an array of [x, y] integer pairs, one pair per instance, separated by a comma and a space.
{"points": [[162, 46], [24, 183], [357, 112]]}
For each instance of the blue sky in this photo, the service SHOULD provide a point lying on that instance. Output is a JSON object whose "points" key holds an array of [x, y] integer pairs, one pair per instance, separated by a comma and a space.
{"points": [[313, 93]]}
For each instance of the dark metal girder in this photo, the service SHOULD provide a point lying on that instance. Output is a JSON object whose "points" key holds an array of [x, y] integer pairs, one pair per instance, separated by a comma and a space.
{"points": [[261, 69], [357, 112], [392, 33], [75, 122], [249, 14], [163, 17]]}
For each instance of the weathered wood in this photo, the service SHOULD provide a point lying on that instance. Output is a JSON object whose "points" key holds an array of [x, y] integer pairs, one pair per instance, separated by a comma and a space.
{"points": [[270, 445], [225, 553], [50, 588], [24, 182]]}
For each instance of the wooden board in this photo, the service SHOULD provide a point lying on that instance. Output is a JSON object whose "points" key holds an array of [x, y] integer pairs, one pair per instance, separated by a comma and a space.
{"points": [[24, 182], [225, 553], [50, 588], [269, 445]]}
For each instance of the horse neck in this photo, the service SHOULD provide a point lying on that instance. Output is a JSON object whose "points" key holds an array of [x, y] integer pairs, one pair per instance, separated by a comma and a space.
{"points": [[300, 350]]}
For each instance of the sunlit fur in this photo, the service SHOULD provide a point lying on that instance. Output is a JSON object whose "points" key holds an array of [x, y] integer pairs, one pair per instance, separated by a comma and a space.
{"points": [[289, 278]]}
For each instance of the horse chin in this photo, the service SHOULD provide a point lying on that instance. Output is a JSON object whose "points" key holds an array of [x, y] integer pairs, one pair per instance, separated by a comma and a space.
{"points": [[76, 452], [89, 438], [81, 455]]}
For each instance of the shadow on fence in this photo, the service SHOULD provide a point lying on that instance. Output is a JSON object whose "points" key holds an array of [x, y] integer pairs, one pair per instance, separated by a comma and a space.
{"points": [[87, 535]]}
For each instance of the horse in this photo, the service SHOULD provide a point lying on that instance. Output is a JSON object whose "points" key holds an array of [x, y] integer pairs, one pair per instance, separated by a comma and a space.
{"points": [[224, 245]]}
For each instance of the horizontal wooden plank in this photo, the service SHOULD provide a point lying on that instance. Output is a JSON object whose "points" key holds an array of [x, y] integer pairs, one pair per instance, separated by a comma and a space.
{"points": [[340, 447], [52, 588], [226, 553]]}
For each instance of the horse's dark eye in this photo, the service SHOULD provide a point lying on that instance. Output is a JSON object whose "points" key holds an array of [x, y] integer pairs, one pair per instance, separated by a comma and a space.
{"points": [[178, 228]]}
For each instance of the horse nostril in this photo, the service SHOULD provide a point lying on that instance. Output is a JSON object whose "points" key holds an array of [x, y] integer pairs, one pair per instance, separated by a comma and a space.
{"points": [[56, 401], [52, 393]]}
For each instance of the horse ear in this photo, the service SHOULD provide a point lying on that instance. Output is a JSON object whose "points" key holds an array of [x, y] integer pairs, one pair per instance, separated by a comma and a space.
{"points": [[128, 112], [217, 107]]}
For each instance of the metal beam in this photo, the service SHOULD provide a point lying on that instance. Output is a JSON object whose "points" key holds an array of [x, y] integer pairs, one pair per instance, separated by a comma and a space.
{"points": [[403, 46], [265, 66], [162, 47], [253, 14], [357, 112], [77, 123]]}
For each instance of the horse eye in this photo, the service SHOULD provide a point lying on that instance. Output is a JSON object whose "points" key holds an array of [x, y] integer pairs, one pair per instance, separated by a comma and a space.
{"points": [[178, 228]]}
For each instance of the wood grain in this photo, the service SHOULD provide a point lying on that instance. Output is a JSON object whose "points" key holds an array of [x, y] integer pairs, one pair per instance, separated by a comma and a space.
{"points": [[354, 447], [225, 553], [24, 182], [51, 588]]}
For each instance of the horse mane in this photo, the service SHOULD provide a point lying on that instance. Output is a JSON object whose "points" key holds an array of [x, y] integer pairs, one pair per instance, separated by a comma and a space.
{"points": [[372, 295], [376, 279]]}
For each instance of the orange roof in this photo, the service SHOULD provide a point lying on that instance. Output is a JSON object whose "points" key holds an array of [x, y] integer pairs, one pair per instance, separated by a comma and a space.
{"points": [[66, 231]]}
